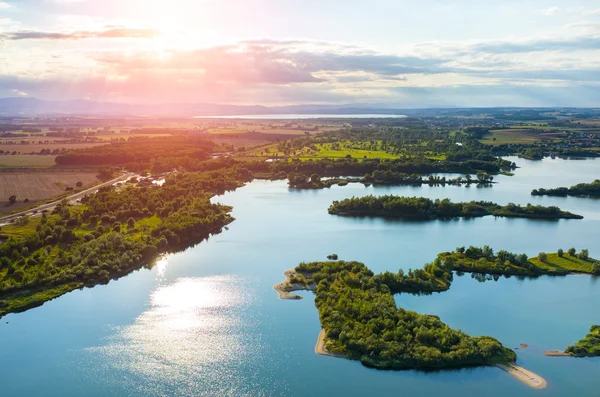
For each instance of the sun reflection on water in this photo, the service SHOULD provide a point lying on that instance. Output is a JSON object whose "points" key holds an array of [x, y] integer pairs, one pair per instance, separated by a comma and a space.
{"points": [[191, 337], [161, 266]]}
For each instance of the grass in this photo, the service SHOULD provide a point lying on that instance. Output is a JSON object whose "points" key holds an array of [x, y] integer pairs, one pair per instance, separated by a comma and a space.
{"points": [[24, 300], [326, 151], [108, 137], [15, 231], [37, 147], [27, 161], [567, 262]]}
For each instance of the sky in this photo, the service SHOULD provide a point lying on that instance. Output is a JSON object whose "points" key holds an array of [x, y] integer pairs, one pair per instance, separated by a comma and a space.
{"points": [[412, 54]]}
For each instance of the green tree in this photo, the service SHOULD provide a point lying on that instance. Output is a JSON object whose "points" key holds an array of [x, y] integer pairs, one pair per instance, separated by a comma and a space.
{"points": [[572, 251], [560, 253], [542, 256]]}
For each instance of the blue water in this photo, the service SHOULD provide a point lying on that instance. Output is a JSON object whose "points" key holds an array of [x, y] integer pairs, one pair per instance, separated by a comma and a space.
{"points": [[206, 322]]}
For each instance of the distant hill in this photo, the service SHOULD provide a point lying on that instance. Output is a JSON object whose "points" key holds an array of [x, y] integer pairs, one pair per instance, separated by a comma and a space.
{"points": [[33, 106], [10, 107]]}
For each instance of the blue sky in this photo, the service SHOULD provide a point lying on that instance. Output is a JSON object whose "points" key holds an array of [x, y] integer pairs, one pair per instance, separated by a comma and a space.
{"points": [[404, 53]]}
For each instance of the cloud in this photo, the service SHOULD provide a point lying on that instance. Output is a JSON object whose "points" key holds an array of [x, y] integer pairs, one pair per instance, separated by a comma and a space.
{"points": [[267, 71], [595, 11], [4, 5], [79, 35], [19, 92], [550, 11], [576, 43]]}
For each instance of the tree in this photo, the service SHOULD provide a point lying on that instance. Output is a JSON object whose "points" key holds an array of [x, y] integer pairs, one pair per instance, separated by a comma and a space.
{"points": [[130, 222], [560, 253], [542, 256], [79, 184], [12, 199], [572, 251], [584, 254]]}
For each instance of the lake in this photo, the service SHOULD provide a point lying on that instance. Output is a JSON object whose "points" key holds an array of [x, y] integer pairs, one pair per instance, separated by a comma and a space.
{"points": [[304, 116], [206, 321]]}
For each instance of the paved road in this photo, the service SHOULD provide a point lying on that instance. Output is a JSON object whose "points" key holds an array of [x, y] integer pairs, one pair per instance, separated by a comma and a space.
{"points": [[50, 206]]}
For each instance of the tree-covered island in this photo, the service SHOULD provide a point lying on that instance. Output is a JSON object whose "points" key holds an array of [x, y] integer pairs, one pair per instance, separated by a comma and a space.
{"points": [[420, 208], [579, 190], [361, 321]]}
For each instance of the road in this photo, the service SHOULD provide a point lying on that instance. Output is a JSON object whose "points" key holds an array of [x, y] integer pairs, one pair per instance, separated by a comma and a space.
{"points": [[50, 206]]}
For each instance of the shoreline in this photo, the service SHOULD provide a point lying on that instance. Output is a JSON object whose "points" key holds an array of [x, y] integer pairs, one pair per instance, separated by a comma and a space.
{"points": [[286, 288], [321, 349], [556, 353], [529, 378]]}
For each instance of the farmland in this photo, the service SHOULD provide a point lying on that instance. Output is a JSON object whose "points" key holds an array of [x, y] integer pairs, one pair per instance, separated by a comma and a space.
{"points": [[26, 161], [518, 136], [38, 186]]}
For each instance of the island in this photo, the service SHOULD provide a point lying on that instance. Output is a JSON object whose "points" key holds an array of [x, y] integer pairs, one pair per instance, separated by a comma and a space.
{"points": [[579, 190], [360, 320], [421, 208], [589, 346]]}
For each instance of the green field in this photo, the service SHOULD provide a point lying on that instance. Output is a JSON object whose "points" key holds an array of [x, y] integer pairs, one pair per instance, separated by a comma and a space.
{"points": [[567, 262]]}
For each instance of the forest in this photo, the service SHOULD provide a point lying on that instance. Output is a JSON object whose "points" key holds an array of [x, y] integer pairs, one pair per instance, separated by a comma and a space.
{"points": [[361, 321], [421, 208], [589, 346], [156, 154], [579, 190], [112, 233]]}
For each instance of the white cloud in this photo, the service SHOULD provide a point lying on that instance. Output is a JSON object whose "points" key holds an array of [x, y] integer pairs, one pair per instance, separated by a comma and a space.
{"points": [[550, 11], [591, 12], [19, 92]]}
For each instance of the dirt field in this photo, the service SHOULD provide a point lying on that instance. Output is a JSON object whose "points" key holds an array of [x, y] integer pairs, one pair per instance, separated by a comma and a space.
{"points": [[516, 136], [38, 186]]}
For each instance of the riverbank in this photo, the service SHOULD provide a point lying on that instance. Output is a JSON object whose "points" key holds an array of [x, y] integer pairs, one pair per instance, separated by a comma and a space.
{"points": [[321, 349], [529, 378], [286, 288]]}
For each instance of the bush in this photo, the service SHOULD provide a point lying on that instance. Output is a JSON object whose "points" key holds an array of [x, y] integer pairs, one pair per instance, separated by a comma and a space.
{"points": [[542, 256], [559, 253]]}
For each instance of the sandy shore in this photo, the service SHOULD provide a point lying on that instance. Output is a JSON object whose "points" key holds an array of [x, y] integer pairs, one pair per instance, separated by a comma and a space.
{"points": [[322, 350], [556, 353], [285, 288], [529, 378]]}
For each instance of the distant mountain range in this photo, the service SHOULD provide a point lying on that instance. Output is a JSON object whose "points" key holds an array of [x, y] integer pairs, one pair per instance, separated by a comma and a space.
{"points": [[33, 106]]}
